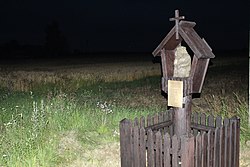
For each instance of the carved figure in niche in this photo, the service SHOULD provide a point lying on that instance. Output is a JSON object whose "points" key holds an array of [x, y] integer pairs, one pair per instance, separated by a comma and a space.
{"points": [[182, 62]]}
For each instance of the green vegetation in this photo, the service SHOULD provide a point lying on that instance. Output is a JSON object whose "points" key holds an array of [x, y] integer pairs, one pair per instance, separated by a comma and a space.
{"points": [[64, 113]]}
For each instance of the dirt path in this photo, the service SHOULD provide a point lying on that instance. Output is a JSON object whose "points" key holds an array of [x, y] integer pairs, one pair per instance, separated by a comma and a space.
{"points": [[245, 156], [107, 155], [74, 154]]}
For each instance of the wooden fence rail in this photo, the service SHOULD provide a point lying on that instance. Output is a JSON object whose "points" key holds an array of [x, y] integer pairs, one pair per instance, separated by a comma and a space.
{"points": [[150, 142]]}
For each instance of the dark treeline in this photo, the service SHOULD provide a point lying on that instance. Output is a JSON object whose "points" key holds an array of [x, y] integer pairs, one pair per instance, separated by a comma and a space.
{"points": [[13, 49], [55, 45], [59, 49]]}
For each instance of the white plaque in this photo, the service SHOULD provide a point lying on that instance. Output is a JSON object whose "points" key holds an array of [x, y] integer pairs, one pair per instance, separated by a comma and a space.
{"points": [[175, 93]]}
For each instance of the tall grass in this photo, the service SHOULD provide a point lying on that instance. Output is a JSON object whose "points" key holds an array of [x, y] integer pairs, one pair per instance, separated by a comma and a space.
{"points": [[228, 107], [32, 127]]}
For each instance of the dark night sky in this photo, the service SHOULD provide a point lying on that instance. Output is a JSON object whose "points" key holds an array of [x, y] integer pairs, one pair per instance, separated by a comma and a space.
{"points": [[123, 25]]}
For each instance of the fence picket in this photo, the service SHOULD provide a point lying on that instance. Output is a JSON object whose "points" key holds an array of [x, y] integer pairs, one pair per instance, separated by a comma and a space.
{"points": [[231, 137], [226, 143], [225, 121], [222, 147], [175, 146], [237, 133], [198, 152], [218, 121], [136, 152], [142, 122], [216, 147], [210, 148], [187, 155], [125, 142], [155, 119], [142, 148], [204, 149], [195, 120], [210, 120], [233, 143], [150, 151], [203, 120], [158, 152], [166, 148], [136, 122]]}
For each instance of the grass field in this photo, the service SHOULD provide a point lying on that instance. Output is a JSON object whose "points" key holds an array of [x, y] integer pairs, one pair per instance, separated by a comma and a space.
{"points": [[67, 114]]}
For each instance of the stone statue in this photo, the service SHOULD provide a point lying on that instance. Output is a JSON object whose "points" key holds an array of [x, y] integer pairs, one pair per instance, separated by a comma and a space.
{"points": [[182, 62]]}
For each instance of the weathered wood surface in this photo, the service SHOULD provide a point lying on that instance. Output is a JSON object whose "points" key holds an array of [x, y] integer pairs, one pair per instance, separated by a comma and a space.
{"points": [[185, 29], [182, 118], [203, 49], [167, 63], [216, 143], [198, 73], [169, 43], [177, 19], [187, 85], [126, 143], [192, 84]]}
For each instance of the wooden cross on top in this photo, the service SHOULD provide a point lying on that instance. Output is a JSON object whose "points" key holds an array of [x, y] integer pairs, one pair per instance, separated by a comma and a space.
{"points": [[177, 18]]}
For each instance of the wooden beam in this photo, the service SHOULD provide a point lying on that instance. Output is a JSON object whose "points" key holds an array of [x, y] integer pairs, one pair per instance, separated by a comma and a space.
{"points": [[159, 125], [202, 127], [157, 51], [187, 24], [199, 46], [198, 73]]}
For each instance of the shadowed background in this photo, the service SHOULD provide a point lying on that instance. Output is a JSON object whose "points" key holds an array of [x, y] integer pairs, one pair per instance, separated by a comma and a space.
{"points": [[31, 28]]}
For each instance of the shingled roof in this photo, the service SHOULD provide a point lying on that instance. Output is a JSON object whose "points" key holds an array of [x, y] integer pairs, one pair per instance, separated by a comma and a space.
{"points": [[186, 32]]}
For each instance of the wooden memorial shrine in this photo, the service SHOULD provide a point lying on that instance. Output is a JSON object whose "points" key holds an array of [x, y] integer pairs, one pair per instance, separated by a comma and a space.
{"points": [[178, 137], [193, 72]]}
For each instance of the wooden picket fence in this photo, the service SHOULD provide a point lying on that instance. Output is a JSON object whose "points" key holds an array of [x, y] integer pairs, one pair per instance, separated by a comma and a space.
{"points": [[150, 142]]}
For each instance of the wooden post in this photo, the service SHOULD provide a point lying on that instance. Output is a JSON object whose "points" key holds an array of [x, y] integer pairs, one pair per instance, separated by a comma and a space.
{"points": [[182, 118]]}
